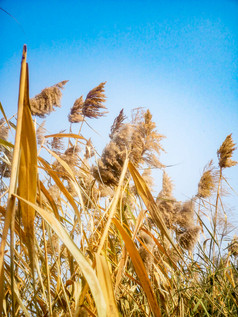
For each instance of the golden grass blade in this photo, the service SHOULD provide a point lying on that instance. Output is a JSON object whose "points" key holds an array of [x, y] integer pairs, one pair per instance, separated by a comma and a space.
{"points": [[4, 115], [123, 260], [104, 277], [10, 213], [65, 135], [28, 171], [58, 182], [6, 144], [84, 265], [139, 268], [113, 206], [50, 200], [148, 200]]}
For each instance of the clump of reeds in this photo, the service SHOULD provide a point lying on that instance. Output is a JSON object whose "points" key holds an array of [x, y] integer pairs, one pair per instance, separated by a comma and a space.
{"points": [[178, 216], [44, 103], [138, 139], [75, 207]]}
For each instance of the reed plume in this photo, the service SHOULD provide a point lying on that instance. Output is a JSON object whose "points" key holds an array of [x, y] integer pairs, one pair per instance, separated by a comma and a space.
{"points": [[233, 246], [139, 139], [57, 144], [207, 182], [117, 123], [44, 103], [76, 114], [4, 130], [94, 102], [5, 154], [225, 153], [40, 133]]}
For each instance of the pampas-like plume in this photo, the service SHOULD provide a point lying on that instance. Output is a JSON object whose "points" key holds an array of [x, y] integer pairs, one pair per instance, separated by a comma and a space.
{"points": [[207, 182], [57, 144], [6, 155], [146, 256], [76, 115], [138, 139], [189, 237], [3, 130], [117, 123], [40, 133], [225, 153], [89, 151], [44, 103], [184, 216], [233, 246], [126, 140], [94, 102], [165, 201], [151, 138]]}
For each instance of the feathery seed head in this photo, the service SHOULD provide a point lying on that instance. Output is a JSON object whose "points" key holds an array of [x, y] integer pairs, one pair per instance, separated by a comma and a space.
{"points": [[225, 153], [4, 129], [40, 133], [44, 103], [117, 123], [233, 246], [189, 237], [76, 114], [207, 181], [94, 102]]}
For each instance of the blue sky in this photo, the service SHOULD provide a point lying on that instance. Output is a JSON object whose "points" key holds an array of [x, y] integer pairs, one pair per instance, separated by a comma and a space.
{"points": [[177, 58]]}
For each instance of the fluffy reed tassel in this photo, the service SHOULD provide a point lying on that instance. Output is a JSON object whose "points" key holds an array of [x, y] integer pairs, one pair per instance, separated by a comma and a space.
{"points": [[151, 138], [233, 246], [57, 144], [225, 153], [207, 182], [89, 150], [94, 102], [126, 140], [44, 103], [5, 155], [189, 237], [70, 156], [166, 202], [117, 123], [40, 133], [3, 130], [146, 256], [139, 139], [76, 115]]}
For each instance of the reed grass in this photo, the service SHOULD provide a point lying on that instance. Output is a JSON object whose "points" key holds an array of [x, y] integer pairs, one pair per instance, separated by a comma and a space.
{"points": [[88, 238]]}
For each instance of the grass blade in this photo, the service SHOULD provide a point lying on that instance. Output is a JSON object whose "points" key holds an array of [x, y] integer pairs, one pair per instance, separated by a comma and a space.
{"points": [[104, 277], [139, 268]]}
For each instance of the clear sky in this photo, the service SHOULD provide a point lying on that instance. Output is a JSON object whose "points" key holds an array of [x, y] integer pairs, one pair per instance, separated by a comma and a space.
{"points": [[178, 58]]}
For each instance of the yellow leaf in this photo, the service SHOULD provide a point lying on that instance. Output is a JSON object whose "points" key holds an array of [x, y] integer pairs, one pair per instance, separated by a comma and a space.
{"points": [[65, 135], [28, 170], [148, 200], [139, 268], [104, 277]]}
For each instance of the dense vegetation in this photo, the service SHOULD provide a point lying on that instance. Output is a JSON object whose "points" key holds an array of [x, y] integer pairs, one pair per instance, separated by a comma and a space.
{"points": [[87, 237]]}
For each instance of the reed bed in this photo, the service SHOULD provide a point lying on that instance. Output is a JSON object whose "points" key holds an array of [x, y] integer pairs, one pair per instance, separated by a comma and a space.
{"points": [[81, 232]]}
